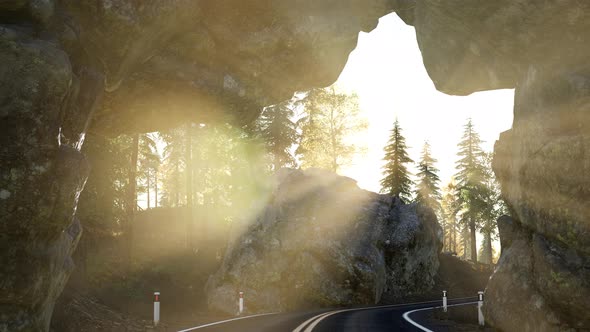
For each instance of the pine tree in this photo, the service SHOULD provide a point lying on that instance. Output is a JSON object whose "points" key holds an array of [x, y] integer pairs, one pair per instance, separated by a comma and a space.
{"points": [[330, 118], [396, 180], [450, 208], [494, 208], [149, 164], [471, 189], [427, 190], [279, 133], [173, 167]]}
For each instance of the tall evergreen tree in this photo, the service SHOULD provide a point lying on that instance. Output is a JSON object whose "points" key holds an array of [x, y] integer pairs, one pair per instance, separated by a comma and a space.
{"points": [[494, 208], [427, 190], [330, 118], [149, 164], [131, 204], [450, 208], [173, 167], [279, 132], [396, 180], [471, 189]]}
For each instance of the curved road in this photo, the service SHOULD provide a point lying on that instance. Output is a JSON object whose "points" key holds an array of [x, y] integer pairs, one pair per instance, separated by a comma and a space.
{"points": [[373, 319]]}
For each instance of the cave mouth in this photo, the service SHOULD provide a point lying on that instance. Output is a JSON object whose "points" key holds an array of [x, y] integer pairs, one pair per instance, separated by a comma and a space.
{"points": [[216, 84], [389, 82]]}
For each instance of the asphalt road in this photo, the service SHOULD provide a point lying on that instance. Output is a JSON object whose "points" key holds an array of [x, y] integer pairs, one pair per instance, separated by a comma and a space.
{"points": [[373, 319]]}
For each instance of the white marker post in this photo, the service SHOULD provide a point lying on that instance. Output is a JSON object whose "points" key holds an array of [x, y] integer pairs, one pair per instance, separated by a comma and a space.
{"points": [[445, 301], [479, 305], [156, 308], [241, 303]]}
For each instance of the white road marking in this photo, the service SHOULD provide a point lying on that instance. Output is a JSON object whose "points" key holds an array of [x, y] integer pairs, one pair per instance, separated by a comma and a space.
{"points": [[406, 315], [409, 320], [304, 324], [314, 321], [226, 321]]}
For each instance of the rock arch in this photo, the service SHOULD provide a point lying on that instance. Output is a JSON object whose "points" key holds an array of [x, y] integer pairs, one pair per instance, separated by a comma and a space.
{"points": [[68, 67]]}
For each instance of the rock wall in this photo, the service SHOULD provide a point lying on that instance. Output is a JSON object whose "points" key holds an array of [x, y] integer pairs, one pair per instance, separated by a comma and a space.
{"points": [[476, 45], [41, 176], [543, 279], [113, 66], [206, 60], [543, 163], [322, 241]]}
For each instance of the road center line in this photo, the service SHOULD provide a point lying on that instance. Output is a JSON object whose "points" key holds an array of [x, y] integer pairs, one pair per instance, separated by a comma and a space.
{"points": [[314, 321]]}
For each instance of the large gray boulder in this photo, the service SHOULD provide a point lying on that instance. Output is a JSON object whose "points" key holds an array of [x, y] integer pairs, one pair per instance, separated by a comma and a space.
{"points": [[322, 241]]}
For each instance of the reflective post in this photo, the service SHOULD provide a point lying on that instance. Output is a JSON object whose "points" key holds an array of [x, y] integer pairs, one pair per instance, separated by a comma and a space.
{"points": [[241, 303], [444, 301], [156, 308], [479, 311]]}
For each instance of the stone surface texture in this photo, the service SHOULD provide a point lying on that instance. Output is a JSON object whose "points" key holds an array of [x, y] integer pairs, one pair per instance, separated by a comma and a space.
{"points": [[113, 66], [322, 241], [543, 163]]}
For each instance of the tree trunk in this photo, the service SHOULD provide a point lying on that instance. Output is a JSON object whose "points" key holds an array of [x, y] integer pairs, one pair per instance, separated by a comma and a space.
{"points": [[333, 141], [444, 230], [189, 189], [465, 237], [473, 240], [455, 235], [156, 188], [148, 188], [488, 251], [131, 199], [177, 184]]}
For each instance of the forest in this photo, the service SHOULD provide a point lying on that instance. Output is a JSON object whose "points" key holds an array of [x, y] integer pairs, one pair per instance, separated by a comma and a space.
{"points": [[213, 173]]}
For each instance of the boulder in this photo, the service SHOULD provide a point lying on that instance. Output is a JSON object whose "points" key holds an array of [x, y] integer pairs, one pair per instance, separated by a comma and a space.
{"points": [[322, 241]]}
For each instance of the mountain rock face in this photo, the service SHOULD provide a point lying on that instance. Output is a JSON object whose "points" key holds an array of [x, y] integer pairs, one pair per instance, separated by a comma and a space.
{"points": [[41, 177], [477, 45], [114, 66], [210, 60], [543, 279], [542, 282], [322, 241]]}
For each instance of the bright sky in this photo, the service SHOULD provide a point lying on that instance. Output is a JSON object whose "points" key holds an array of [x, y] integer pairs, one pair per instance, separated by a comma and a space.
{"points": [[387, 73]]}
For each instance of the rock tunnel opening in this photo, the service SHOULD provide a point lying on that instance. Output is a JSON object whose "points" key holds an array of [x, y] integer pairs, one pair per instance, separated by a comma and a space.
{"points": [[223, 61]]}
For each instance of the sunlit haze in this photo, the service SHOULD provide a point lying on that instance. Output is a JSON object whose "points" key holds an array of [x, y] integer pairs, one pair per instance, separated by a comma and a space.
{"points": [[387, 73]]}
